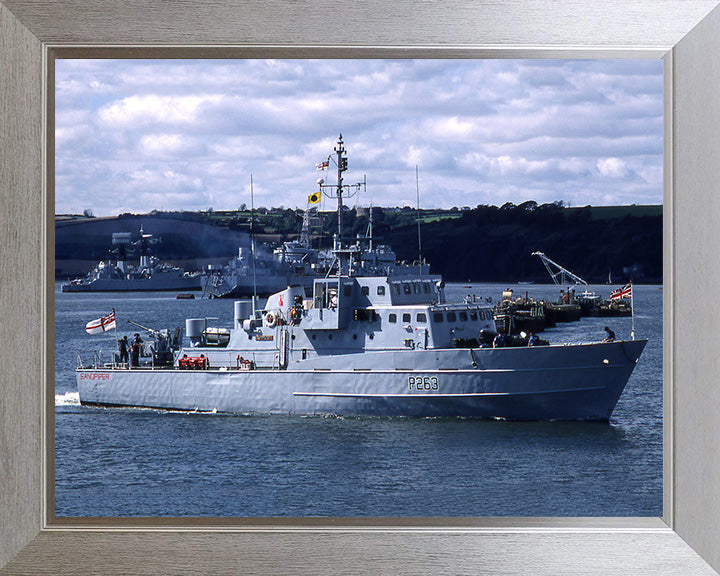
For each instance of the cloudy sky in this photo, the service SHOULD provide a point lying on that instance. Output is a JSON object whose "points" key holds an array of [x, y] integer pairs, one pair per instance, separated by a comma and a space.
{"points": [[138, 135]]}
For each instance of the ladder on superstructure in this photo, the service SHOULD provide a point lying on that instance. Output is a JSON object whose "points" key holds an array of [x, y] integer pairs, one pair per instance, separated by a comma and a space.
{"points": [[559, 274]]}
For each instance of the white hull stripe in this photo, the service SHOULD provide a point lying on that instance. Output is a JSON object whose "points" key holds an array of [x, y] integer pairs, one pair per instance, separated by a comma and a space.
{"points": [[458, 395], [355, 371]]}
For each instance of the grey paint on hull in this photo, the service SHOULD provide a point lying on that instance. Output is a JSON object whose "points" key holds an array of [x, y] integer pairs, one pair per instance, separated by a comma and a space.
{"points": [[154, 284], [570, 382]]}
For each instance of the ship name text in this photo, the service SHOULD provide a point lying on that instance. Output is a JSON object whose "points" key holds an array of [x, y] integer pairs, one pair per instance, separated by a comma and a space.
{"points": [[94, 376]]}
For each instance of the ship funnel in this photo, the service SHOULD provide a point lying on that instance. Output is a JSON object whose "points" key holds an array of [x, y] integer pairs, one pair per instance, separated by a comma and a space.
{"points": [[243, 311], [194, 328]]}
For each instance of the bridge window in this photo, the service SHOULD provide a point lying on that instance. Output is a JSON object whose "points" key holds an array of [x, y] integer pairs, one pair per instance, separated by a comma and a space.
{"points": [[451, 317], [406, 317], [406, 288], [473, 315], [463, 316], [397, 288], [426, 287], [438, 317], [416, 288], [365, 290], [381, 290], [421, 318], [392, 318]]}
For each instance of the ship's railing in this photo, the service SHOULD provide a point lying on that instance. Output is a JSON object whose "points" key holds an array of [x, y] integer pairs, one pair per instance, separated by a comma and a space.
{"points": [[95, 363], [99, 361]]}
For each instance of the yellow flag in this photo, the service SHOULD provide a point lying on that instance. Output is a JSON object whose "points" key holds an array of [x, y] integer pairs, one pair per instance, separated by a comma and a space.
{"points": [[314, 198]]}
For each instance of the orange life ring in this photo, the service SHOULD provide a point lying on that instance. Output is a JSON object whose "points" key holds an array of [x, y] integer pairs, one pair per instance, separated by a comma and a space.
{"points": [[270, 320]]}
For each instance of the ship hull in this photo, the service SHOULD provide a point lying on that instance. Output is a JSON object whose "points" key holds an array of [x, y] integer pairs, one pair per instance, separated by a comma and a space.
{"points": [[135, 285], [263, 286], [572, 382]]}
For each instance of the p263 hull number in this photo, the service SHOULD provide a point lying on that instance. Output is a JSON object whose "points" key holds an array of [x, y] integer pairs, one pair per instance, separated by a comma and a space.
{"points": [[423, 383]]}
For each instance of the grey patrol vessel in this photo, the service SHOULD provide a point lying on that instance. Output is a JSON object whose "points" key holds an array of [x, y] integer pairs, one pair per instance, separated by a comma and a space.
{"points": [[368, 345]]}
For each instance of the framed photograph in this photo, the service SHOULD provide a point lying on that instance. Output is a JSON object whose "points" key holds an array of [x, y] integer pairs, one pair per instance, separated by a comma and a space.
{"points": [[649, 545], [488, 141]]}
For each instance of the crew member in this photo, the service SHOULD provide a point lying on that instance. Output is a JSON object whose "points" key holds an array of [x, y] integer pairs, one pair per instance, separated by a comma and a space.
{"points": [[533, 339], [124, 348], [610, 335], [135, 350], [499, 341]]}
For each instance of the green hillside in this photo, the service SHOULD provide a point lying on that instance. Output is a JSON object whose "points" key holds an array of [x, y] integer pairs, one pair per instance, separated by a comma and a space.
{"points": [[485, 243]]}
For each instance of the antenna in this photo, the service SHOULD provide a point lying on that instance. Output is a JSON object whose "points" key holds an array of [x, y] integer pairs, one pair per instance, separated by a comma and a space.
{"points": [[340, 190], [252, 242], [341, 167], [417, 193]]}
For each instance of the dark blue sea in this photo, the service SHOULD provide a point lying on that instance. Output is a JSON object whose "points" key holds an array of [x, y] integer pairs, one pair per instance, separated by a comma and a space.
{"points": [[139, 462]]}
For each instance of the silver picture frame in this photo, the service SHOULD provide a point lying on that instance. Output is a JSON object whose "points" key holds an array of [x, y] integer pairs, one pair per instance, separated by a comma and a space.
{"points": [[684, 33]]}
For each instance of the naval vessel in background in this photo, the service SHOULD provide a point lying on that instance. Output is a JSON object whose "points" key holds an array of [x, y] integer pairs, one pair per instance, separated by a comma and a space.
{"points": [[117, 275], [365, 345], [296, 262]]}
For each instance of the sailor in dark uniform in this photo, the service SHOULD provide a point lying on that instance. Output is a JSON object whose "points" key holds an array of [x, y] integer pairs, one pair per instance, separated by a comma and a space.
{"points": [[135, 350], [124, 348], [610, 335]]}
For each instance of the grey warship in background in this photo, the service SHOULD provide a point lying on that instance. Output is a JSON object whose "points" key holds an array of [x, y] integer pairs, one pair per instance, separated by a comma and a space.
{"points": [[263, 273], [368, 345], [117, 275]]}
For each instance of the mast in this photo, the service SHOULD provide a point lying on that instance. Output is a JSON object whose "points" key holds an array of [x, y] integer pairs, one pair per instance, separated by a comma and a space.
{"points": [[338, 191], [417, 193], [144, 260], [370, 230], [342, 166], [305, 230], [252, 243]]}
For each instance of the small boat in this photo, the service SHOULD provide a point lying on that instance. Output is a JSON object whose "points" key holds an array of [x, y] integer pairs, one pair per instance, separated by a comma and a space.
{"points": [[516, 315]]}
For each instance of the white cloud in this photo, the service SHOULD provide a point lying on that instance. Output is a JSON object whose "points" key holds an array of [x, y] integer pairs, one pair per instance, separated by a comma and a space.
{"points": [[135, 134], [136, 111], [612, 167]]}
